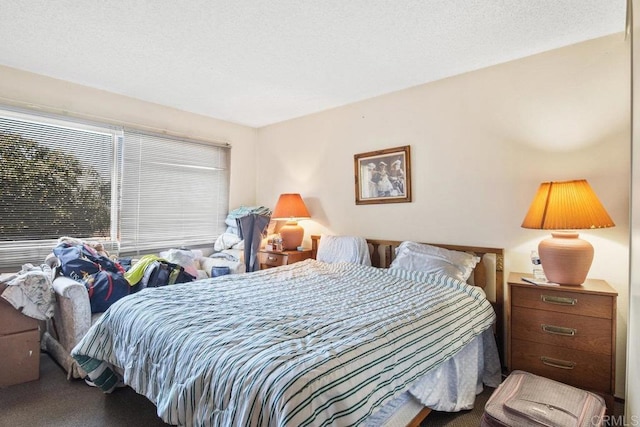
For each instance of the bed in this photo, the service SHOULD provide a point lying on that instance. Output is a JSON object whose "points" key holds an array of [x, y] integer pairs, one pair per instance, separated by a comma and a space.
{"points": [[312, 343]]}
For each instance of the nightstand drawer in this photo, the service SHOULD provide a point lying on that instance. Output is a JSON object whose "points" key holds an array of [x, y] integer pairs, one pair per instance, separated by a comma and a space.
{"points": [[581, 369], [566, 330], [272, 259], [562, 301], [268, 259]]}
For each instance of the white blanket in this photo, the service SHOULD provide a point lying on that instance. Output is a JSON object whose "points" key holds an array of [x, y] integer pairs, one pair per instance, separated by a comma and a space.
{"points": [[343, 249]]}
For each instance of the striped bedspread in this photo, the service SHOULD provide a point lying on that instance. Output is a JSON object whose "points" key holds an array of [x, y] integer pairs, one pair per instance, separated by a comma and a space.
{"points": [[307, 344]]}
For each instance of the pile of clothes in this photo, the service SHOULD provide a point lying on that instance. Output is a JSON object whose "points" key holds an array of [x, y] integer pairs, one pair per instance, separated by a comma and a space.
{"points": [[30, 291], [237, 247], [242, 211], [107, 279]]}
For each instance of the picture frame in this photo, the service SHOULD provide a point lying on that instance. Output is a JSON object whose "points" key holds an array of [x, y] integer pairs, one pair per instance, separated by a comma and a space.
{"points": [[383, 176]]}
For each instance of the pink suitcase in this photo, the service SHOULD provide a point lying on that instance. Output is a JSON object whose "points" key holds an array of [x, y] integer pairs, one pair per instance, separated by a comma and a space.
{"points": [[525, 399]]}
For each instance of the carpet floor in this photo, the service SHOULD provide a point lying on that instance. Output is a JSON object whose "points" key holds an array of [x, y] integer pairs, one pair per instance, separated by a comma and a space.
{"points": [[53, 401]]}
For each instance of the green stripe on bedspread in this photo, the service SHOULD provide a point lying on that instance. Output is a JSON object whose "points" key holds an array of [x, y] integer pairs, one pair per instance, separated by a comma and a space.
{"points": [[305, 344]]}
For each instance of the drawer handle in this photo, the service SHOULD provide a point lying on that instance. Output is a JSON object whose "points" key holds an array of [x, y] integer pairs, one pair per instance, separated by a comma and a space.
{"points": [[559, 330], [558, 300], [557, 363], [271, 258]]}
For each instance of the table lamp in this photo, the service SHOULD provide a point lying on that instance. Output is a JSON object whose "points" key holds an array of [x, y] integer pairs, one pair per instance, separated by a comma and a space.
{"points": [[567, 205], [291, 208]]}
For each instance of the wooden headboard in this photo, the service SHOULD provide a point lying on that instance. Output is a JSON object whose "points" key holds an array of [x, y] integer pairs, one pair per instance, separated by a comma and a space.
{"points": [[488, 274], [383, 252]]}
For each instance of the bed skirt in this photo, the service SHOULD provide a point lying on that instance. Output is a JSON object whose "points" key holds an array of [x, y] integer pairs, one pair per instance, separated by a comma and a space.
{"points": [[451, 387]]}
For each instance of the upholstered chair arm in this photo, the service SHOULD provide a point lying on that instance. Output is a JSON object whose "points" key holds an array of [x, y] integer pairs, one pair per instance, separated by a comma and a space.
{"points": [[72, 319]]}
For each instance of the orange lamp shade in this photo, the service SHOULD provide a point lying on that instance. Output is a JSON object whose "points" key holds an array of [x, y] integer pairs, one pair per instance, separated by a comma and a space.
{"points": [[570, 205], [290, 207]]}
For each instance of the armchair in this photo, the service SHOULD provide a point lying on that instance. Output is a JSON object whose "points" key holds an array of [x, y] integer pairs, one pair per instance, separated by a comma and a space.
{"points": [[71, 321]]}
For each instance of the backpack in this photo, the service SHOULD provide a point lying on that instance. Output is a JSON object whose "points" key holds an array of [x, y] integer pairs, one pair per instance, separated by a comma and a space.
{"points": [[102, 277], [105, 288], [77, 261], [161, 272]]}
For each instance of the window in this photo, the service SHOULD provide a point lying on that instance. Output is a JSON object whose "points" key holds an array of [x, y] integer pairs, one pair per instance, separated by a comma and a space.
{"points": [[56, 178], [134, 191], [174, 192]]}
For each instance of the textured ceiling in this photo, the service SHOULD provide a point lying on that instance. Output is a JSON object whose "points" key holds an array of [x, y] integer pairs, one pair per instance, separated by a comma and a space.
{"points": [[259, 62]]}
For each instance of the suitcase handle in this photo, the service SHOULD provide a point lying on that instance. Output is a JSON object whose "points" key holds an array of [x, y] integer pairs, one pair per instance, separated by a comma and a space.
{"points": [[551, 299], [557, 363], [559, 330]]}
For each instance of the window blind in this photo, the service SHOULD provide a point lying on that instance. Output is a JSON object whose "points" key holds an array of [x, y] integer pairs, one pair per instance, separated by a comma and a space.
{"points": [[175, 192], [57, 179]]}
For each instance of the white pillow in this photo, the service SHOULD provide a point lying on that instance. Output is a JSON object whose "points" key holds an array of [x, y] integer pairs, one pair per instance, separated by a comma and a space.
{"points": [[226, 241], [343, 249], [432, 259]]}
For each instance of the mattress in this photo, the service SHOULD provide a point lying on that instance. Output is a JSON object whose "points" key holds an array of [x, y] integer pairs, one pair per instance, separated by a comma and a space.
{"points": [[305, 344]]}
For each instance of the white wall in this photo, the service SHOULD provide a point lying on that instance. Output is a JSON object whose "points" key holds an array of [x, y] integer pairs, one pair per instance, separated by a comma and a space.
{"points": [[481, 143], [28, 90]]}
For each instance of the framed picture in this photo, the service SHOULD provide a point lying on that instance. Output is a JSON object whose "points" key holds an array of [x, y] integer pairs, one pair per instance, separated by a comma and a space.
{"points": [[383, 176]]}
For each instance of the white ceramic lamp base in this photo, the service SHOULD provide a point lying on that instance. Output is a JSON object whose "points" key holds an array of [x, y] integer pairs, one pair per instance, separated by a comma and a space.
{"points": [[565, 258]]}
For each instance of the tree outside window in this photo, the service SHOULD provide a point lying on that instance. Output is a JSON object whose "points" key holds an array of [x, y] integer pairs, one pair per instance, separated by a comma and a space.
{"points": [[46, 193]]}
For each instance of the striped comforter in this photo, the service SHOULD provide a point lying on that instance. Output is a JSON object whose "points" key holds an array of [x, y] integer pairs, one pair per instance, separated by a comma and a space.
{"points": [[307, 344]]}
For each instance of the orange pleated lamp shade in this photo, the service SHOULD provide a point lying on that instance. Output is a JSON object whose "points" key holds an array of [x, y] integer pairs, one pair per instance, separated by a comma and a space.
{"points": [[569, 205]]}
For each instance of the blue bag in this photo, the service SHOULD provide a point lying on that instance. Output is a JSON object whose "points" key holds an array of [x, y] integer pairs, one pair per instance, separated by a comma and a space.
{"points": [[220, 271], [102, 277], [73, 263], [105, 288]]}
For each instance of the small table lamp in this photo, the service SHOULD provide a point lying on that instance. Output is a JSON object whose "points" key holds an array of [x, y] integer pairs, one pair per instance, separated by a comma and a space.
{"points": [[567, 205], [290, 207]]}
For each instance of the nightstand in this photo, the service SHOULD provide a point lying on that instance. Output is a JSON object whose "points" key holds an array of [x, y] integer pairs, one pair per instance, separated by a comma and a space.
{"points": [[565, 333], [268, 259]]}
